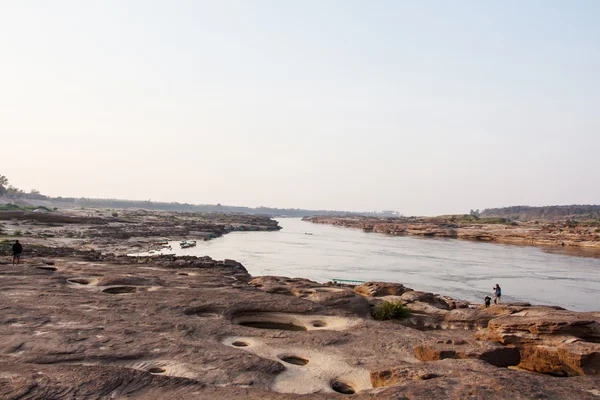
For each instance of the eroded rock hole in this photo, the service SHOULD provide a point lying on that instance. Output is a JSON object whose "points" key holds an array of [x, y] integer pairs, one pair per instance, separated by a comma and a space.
{"points": [[202, 312], [183, 274], [207, 315], [46, 268], [342, 387], [428, 376], [318, 324], [120, 289], [294, 360], [79, 281], [157, 370], [239, 343], [273, 325]]}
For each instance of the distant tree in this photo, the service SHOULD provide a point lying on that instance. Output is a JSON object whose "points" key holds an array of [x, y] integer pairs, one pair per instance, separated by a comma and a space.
{"points": [[14, 193], [3, 185], [475, 213], [35, 194]]}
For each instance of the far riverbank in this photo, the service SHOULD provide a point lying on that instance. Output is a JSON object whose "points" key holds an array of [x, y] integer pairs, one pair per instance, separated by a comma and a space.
{"points": [[569, 234]]}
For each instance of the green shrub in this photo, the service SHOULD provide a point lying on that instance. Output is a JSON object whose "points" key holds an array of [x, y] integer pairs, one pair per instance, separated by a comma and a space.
{"points": [[388, 310], [18, 233], [115, 214], [9, 207]]}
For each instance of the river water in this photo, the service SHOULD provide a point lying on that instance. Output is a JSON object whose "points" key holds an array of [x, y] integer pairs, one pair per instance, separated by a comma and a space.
{"points": [[461, 269]]}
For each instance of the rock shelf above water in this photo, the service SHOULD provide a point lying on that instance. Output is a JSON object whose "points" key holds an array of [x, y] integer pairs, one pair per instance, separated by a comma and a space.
{"points": [[581, 235], [196, 328]]}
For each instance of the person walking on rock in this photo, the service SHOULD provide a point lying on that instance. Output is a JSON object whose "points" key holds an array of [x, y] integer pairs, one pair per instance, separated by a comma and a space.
{"points": [[17, 249], [497, 294]]}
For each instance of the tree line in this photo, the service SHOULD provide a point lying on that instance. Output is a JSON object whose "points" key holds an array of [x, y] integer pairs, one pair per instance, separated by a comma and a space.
{"points": [[581, 212], [12, 192]]}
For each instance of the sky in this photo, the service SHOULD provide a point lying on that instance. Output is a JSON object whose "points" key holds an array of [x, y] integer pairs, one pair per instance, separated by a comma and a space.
{"points": [[423, 107]]}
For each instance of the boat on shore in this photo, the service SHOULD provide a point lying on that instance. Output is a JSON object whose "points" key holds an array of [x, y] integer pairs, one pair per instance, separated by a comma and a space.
{"points": [[184, 244]]}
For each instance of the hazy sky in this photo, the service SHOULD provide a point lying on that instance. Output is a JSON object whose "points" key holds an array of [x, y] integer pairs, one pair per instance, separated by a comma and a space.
{"points": [[424, 107]]}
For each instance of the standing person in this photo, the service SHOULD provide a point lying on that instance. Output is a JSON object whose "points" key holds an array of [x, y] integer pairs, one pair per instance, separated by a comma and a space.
{"points": [[497, 294], [17, 249]]}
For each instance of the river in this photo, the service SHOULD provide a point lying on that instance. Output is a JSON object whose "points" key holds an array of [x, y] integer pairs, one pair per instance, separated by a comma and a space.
{"points": [[461, 269]]}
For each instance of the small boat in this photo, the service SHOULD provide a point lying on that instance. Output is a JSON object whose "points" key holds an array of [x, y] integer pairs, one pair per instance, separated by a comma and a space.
{"points": [[307, 233], [187, 243]]}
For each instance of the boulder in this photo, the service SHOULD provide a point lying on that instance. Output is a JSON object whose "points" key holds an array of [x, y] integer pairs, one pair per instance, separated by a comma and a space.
{"points": [[379, 289], [569, 359], [493, 353], [551, 341], [476, 380], [423, 297], [468, 318], [338, 297], [540, 324]]}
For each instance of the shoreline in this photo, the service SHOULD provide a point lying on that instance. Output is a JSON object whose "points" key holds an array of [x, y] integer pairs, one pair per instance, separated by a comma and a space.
{"points": [[584, 242]]}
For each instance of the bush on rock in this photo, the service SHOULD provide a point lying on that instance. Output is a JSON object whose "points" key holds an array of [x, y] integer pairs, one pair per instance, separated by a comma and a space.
{"points": [[388, 310]]}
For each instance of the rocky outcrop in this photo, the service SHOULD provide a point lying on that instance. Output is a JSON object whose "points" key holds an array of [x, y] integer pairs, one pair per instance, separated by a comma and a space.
{"points": [[492, 353], [543, 324], [327, 295], [565, 233], [567, 359], [133, 229], [380, 289], [538, 338], [557, 342], [473, 379]]}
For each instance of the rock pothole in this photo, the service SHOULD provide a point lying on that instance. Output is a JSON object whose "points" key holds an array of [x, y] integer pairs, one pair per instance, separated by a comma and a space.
{"points": [[273, 325], [202, 312], [307, 370], [157, 370], [79, 281], [342, 387], [292, 322], [47, 268], [120, 290], [294, 360]]}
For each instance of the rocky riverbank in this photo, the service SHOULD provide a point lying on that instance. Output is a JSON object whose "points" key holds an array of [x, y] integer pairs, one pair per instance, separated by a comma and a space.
{"points": [[78, 324], [123, 231], [581, 235]]}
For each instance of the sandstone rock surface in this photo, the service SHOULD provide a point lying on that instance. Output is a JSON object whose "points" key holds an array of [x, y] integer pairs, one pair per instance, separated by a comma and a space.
{"points": [[79, 320]]}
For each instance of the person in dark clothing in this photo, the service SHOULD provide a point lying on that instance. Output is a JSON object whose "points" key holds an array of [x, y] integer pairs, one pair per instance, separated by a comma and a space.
{"points": [[453, 306], [17, 249], [488, 301]]}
